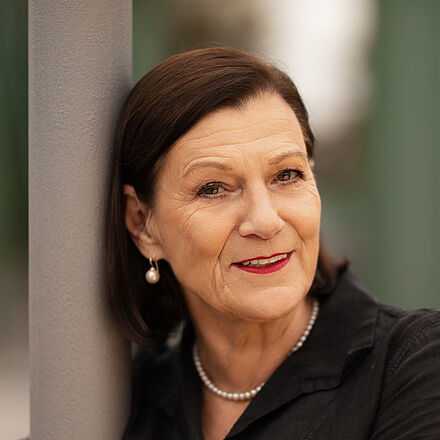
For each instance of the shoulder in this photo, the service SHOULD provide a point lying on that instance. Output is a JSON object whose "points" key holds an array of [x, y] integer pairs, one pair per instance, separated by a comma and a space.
{"points": [[408, 348], [149, 362], [153, 373], [151, 395], [402, 331], [393, 328], [408, 341]]}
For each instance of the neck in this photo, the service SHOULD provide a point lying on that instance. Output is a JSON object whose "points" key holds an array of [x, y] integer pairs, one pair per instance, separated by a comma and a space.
{"points": [[239, 355]]}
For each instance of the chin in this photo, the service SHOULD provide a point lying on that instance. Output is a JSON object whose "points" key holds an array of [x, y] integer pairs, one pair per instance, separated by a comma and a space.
{"points": [[269, 305]]}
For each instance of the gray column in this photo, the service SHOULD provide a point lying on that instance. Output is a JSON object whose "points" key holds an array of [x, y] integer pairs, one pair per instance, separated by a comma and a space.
{"points": [[79, 75]]}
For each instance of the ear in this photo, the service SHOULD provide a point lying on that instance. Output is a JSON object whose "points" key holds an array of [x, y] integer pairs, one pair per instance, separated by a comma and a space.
{"points": [[139, 225], [312, 164]]}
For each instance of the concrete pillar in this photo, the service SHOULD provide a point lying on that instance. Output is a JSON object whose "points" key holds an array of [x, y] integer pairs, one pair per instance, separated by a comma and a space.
{"points": [[79, 75]]}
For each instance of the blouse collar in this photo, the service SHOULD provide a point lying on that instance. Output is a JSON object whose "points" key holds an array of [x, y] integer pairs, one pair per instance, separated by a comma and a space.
{"points": [[342, 335]]}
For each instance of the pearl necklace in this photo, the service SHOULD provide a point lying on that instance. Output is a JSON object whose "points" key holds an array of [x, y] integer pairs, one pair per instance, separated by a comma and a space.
{"points": [[252, 393]]}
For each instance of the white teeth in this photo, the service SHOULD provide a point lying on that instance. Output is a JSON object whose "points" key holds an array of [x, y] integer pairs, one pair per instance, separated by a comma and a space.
{"points": [[265, 261]]}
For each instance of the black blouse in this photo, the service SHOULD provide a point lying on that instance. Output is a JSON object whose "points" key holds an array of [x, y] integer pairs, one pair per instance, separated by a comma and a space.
{"points": [[366, 371]]}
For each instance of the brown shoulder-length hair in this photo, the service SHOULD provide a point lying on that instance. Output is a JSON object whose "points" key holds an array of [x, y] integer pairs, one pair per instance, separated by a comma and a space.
{"points": [[161, 107]]}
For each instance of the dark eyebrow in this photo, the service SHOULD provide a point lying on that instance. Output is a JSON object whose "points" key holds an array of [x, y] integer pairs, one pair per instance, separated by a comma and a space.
{"points": [[211, 164], [288, 154]]}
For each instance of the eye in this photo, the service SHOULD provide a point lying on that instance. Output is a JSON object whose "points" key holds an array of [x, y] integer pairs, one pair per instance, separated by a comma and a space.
{"points": [[211, 190], [289, 176]]}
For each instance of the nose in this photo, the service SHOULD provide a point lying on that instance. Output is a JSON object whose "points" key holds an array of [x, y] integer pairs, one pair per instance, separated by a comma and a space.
{"points": [[261, 216]]}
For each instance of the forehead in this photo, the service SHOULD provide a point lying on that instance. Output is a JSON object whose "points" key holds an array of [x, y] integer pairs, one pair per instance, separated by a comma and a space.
{"points": [[264, 125]]}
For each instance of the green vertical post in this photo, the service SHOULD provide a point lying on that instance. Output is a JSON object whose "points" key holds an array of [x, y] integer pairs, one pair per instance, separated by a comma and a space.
{"points": [[403, 170]]}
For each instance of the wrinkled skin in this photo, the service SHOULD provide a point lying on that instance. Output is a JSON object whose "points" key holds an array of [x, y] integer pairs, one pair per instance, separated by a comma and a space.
{"points": [[237, 186], [249, 211]]}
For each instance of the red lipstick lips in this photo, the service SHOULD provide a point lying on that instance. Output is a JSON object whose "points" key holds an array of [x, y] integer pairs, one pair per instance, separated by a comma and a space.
{"points": [[274, 267]]}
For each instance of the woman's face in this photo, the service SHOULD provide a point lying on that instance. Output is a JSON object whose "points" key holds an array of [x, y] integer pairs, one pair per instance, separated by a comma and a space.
{"points": [[237, 187]]}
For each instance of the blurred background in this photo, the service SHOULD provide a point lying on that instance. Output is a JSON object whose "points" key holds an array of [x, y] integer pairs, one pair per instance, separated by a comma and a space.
{"points": [[369, 74]]}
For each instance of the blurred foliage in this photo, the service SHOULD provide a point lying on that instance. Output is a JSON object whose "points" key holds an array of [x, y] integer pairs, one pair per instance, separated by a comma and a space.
{"points": [[387, 213], [13, 129], [152, 34], [402, 177]]}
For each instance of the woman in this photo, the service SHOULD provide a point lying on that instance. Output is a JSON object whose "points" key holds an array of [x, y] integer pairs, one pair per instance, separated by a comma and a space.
{"points": [[214, 224]]}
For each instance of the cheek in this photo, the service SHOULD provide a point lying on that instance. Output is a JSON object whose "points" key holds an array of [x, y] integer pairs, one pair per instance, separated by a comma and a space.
{"points": [[193, 243], [304, 214], [198, 234]]}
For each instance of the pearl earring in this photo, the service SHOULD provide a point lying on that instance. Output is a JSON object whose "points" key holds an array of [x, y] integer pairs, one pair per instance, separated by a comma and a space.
{"points": [[152, 275]]}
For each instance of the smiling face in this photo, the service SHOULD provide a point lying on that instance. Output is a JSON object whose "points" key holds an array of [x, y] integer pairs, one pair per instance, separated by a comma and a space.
{"points": [[238, 187]]}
